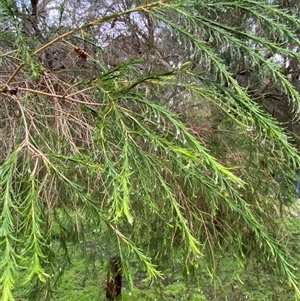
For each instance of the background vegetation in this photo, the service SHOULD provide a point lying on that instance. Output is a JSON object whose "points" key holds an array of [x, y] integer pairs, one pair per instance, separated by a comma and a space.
{"points": [[163, 132]]}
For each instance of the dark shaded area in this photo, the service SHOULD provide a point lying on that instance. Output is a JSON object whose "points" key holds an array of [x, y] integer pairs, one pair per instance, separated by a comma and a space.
{"points": [[114, 279], [297, 183]]}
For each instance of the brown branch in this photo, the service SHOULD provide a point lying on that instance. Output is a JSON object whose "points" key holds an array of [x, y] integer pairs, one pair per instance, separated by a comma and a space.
{"points": [[58, 96], [25, 122]]}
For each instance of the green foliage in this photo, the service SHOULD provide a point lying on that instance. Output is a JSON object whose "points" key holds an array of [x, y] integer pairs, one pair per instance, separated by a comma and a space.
{"points": [[99, 152], [86, 278]]}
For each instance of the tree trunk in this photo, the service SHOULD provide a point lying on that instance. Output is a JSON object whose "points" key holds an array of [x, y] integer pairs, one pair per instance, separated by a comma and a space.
{"points": [[114, 279]]}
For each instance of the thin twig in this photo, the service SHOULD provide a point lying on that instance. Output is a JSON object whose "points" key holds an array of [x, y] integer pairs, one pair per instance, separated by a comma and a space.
{"points": [[58, 96]]}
